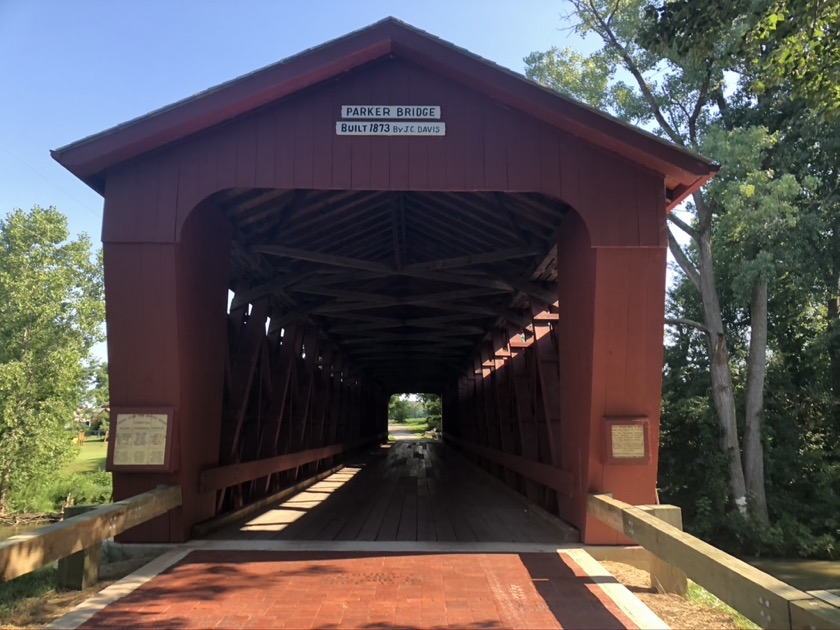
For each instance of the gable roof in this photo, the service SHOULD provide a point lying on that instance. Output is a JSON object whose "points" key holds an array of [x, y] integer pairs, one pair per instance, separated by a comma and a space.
{"points": [[91, 157]]}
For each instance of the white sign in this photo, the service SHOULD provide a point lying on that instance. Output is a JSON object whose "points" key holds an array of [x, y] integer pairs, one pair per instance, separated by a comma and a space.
{"points": [[405, 112], [378, 128], [140, 439]]}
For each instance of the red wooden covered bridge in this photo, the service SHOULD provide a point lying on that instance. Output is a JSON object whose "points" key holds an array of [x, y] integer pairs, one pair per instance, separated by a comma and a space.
{"points": [[391, 214]]}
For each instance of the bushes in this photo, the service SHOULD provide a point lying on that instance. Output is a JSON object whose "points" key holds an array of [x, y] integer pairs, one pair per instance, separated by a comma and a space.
{"points": [[79, 488]]}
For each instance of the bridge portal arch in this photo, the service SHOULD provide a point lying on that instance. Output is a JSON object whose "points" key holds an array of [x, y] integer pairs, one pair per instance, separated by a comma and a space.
{"points": [[493, 241]]}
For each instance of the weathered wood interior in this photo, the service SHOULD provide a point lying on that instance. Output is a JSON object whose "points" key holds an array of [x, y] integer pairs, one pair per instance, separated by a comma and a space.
{"points": [[515, 265], [405, 284], [409, 491]]}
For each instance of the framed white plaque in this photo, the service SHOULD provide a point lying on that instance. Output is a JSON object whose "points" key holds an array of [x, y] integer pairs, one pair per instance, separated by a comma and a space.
{"points": [[627, 440], [141, 439]]}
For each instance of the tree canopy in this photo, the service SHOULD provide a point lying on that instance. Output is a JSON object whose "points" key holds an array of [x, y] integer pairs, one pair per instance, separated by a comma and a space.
{"points": [[51, 314], [753, 350]]}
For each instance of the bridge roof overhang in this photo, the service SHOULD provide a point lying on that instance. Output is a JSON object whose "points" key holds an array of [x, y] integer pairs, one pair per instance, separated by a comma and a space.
{"points": [[90, 158], [414, 285]]}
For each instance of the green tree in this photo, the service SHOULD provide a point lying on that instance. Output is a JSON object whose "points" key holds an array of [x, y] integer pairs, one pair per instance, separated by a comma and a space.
{"points": [[98, 397], [51, 314], [432, 405], [665, 66], [398, 408], [675, 93]]}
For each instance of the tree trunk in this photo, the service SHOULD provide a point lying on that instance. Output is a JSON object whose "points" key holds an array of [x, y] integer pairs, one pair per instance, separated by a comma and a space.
{"points": [[4, 489], [833, 317], [723, 393], [756, 369]]}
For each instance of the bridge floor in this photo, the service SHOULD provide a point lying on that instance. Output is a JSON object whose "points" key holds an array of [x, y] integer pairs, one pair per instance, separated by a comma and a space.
{"points": [[407, 491], [412, 536]]}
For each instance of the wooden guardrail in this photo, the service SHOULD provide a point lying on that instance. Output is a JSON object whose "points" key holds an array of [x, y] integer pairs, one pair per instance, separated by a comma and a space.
{"points": [[27, 552], [765, 600], [232, 474], [549, 476]]}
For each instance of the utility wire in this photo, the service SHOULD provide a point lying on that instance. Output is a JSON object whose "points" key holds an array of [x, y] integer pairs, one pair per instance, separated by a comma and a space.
{"points": [[95, 213]]}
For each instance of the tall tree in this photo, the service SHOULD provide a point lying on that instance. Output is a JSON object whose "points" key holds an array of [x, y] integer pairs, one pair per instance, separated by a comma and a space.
{"points": [[676, 85], [432, 405], [800, 45], [51, 312], [398, 408]]}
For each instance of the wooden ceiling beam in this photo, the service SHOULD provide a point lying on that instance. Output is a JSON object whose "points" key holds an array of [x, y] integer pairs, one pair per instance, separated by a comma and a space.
{"points": [[375, 246], [475, 259], [438, 224], [321, 279], [373, 300], [331, 211], [323, 258], [335, 238], [525, 237], [269, 288], [508, 315], [435, 340], [447, 331], [459, 210], [344, 224], [256, 209]]}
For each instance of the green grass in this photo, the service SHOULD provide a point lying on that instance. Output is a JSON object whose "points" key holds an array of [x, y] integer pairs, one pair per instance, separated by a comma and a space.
{"points": [[699, 595], [416, 425], [35, 584], [91, 458]]}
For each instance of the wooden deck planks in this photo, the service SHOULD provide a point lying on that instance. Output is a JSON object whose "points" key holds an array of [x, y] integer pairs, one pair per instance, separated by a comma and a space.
{"points": [[409, 491]]}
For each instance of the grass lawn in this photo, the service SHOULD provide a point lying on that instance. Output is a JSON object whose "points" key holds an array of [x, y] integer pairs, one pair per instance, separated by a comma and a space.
{"points": [[416, 425], [699, 595], [91, 458]]}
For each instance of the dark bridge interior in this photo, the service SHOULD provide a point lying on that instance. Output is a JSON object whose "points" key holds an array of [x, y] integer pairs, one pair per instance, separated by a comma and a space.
{"points": [[405, 284]]}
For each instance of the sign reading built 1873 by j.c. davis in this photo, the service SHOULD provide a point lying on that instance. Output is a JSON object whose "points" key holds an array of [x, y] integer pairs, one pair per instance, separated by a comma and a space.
{"points": [[390, 120]]}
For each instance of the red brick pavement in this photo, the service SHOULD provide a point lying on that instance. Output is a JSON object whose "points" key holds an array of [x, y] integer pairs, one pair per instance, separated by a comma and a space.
{"points": [[237, 589]]}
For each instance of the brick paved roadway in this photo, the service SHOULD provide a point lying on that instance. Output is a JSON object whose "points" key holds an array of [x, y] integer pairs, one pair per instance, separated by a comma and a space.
{"points": [[249, 589]]}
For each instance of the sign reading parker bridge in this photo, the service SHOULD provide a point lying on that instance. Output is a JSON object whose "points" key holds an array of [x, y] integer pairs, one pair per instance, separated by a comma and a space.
{"points": [[390, 120]]}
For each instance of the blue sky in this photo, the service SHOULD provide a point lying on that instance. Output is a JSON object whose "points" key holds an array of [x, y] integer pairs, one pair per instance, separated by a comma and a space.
{"points": [[72, 68]]}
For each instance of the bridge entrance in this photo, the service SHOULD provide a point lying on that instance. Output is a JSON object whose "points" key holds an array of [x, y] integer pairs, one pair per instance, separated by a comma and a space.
{"points": [[390, 214]]}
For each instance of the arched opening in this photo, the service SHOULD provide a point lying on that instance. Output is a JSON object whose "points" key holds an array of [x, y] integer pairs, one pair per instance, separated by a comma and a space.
{"points": [[388, 291]]}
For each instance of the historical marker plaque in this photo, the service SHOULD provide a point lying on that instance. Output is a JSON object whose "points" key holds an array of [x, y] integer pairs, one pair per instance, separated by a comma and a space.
{"points": [[627, 440], [141, 439]]}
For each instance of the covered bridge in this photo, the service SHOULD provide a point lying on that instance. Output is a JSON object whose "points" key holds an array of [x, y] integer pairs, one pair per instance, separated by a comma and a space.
{"points": [[391, 214]]}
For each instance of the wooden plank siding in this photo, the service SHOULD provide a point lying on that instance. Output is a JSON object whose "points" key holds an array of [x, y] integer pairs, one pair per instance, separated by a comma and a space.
{"points": [[487, 147]]}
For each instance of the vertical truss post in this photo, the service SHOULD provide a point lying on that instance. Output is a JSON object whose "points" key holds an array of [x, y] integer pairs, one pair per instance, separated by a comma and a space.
{"points": [[283, 371], [248, 339], [525, 396], [505, 415]]}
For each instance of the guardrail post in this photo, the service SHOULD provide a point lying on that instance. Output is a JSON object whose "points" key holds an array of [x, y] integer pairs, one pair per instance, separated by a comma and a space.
{"points": [[664, 577], [80, 570]]}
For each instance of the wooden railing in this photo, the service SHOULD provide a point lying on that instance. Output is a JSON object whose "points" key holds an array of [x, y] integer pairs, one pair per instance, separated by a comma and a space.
{"points": [[549, 476], [27, 552], [765, 600], [232, 474]]}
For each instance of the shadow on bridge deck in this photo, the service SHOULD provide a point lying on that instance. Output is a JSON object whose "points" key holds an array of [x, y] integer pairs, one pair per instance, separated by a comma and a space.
{"points": [[405, 491], [410, 535]]}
